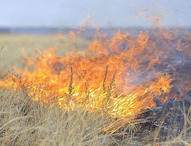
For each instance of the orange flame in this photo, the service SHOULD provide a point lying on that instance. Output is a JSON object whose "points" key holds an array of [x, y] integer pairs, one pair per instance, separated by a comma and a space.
{"points": [[120, 76]]}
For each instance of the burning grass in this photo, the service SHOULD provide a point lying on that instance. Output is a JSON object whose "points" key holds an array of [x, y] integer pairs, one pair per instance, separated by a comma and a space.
{"points": [[25, 122], [116, 82]]}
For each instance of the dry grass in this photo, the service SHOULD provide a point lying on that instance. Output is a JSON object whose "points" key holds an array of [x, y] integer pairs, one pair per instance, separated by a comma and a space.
{"points": [[11, 47], [24, 122]]}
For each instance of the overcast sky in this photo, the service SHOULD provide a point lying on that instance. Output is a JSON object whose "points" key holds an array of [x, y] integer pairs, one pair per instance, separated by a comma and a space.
{"points": [[115, 13]]}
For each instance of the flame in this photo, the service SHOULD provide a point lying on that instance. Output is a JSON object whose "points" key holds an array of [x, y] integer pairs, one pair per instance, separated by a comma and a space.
{"points": [[120, 76]]}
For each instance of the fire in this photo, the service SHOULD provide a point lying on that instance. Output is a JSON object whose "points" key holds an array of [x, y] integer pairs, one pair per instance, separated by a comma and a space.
{"points": [[120, 76]]}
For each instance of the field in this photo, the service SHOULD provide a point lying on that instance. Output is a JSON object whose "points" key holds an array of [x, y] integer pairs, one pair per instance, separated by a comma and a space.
{"points": [[21, 46], [27, 122]]}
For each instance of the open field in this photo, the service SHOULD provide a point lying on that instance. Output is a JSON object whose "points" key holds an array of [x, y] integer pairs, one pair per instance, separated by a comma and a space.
{"points": [[26, 122], [15, 47]]}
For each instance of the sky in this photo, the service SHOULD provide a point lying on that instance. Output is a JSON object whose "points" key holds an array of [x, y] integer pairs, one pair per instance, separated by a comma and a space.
{"points": [[103, 13]]}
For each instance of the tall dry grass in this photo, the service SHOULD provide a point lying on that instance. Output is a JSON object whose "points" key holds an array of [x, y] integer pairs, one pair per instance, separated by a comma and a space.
{"points": [[24, 122]]}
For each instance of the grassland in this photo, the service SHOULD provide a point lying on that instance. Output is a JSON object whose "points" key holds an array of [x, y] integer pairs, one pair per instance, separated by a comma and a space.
{"points": [[15, 47], [25, 122]]}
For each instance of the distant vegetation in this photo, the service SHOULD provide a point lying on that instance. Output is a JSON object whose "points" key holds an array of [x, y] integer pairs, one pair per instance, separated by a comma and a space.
{"points": [[88, 33]]}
